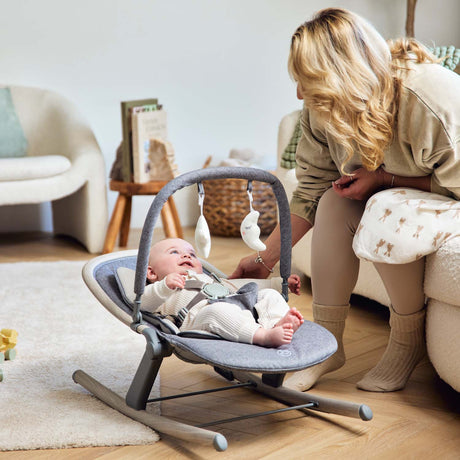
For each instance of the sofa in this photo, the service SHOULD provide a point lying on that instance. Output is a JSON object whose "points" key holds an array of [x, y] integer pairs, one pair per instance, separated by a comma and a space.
{"points": [[48, 153], [442, 279]]}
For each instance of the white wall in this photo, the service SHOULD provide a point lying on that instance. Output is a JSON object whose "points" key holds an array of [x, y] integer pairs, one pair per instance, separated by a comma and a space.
{"points": [[218, 67]]}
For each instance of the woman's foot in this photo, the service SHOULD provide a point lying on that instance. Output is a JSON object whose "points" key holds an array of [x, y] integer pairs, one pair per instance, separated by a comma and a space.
{"points": [[274, 337], [304, 380], [293, 317], [333, 319], [404, 351]]}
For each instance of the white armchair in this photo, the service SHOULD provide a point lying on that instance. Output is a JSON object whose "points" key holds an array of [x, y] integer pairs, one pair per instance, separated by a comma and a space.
{"points": [[63, 164]]}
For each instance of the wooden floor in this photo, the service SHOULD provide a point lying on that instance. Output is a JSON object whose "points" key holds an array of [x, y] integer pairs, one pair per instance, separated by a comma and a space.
{"points": [[420, 422]]}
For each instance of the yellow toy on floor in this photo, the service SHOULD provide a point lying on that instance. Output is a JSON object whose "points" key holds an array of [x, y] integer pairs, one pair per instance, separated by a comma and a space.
{"points": [[8, 340]]}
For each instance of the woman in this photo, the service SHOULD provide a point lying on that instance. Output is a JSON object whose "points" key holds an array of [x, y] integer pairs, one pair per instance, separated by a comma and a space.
{"points": [[375, 116]]}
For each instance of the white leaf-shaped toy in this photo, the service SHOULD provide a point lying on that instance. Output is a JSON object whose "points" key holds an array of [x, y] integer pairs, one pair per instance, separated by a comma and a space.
{"points": [[202, 237], [250, 231]]}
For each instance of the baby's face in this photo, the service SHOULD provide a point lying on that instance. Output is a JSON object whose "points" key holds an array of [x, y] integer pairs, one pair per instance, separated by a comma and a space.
{"points": [[172, 255]]}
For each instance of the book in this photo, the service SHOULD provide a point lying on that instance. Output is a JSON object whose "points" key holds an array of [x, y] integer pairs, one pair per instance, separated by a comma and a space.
{"points": [[147, 124], [126, 126]]}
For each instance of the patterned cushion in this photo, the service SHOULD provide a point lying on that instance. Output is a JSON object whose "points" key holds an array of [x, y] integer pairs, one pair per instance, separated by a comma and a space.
{"points": [[449, 54], [288, 156]]}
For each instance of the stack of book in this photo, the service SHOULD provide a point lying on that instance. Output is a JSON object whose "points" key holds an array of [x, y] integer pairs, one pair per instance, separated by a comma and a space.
{"points": [[146, 153]]}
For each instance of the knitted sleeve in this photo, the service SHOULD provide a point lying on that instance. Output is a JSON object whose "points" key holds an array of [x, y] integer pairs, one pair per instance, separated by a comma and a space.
{"points": [[315, 171], [445, 179], [428, 125], [155, 295]]}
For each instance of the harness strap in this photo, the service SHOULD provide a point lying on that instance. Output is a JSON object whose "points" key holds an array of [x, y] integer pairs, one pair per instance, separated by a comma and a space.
{"points": [[194, 284], [245, 298], [180, 317], [190, 285]]}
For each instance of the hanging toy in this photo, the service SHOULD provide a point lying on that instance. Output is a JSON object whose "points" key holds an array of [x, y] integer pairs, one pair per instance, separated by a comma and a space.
{"points": [[249, 229], [202, 234]]}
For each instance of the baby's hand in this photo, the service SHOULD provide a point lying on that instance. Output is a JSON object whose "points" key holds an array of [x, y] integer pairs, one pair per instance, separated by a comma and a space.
{"points": [[175, 281], [294, 284]]}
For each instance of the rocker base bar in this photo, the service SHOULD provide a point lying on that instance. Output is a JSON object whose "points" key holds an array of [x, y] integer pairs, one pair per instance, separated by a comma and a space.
{"points": [[258, 414], [295, 399], [288, 396], [157, 422], [195, 393]]}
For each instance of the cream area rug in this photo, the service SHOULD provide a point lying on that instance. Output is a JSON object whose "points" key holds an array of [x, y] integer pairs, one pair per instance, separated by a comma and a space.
{"points": [[62, 328]]}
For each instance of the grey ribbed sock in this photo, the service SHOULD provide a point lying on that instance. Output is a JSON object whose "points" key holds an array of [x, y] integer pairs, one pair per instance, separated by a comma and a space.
{"points": [[404, 351]]}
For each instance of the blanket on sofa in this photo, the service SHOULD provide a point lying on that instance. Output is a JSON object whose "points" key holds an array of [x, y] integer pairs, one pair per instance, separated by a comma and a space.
{"points": [[402, 225]]}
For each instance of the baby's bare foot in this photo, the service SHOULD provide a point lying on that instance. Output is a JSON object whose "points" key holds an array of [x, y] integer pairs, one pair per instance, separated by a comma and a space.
{"points": [[293, 316], [278, 335]]}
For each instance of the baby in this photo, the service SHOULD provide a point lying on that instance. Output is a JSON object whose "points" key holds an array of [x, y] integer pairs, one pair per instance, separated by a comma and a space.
{"points": [[175, 276]]}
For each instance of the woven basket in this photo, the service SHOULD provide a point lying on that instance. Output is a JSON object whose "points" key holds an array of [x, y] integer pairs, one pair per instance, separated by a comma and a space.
{"points": [[226, 204]]}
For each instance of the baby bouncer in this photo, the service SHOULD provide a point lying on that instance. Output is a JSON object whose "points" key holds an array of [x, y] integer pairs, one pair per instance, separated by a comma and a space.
{"points": [[237, 362]]}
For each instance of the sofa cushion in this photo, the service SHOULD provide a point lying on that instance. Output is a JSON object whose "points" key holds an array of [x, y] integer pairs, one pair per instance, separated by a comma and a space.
{"points": [[13, 143], [26, 168], [288, 157], [442, 274]]}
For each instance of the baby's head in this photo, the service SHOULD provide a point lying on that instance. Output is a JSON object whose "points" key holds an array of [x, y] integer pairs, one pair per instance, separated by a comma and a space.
{"points": [[172, 255]]}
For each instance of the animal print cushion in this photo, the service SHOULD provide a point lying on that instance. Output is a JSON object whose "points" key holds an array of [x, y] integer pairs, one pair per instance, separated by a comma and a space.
{"points": [[402, 225]]}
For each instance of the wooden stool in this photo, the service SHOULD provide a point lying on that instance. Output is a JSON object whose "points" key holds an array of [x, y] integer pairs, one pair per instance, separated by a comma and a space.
{"points": [[121, 216]]}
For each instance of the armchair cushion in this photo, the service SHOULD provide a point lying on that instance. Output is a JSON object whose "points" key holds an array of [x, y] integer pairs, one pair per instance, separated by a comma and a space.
{"points": [[13, 143], [13, 169]]}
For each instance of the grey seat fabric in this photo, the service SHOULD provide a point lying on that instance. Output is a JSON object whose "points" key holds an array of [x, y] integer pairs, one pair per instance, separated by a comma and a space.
{"points": [[310, 345], [104, 274]]}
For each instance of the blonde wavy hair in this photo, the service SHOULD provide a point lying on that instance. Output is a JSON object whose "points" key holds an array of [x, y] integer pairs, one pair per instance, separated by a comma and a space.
{"points": [[350, 75]]}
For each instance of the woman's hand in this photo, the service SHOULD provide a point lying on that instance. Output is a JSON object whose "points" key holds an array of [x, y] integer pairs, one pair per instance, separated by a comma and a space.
{"points": [[248, 268], [363, 183], [175, 281], [294, 284], [360, 186]]}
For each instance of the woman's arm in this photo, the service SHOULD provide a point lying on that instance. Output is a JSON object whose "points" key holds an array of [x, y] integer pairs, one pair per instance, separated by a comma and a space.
{"points": [[362, 184], [248, 268], [392, 180]]}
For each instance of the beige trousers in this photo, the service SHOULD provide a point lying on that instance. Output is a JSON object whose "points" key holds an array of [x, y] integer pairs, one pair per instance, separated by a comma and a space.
{"points": [[335, 265]]}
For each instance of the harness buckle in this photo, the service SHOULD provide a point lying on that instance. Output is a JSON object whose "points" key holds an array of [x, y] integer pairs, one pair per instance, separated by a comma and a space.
{"points": [[215, 291]]}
